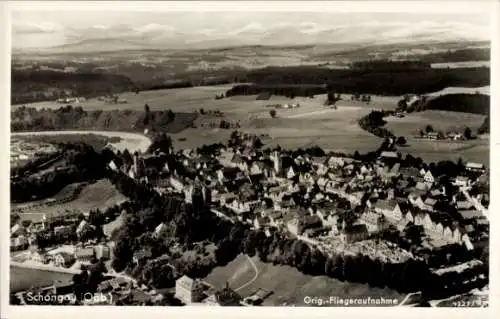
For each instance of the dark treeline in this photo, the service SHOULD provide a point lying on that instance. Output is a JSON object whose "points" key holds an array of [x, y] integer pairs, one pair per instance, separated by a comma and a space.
{"points": [[485, 127], [83, 163], [462, 55], [289, 90], [353, 81], [467, 103], [166, 85], [374, 122], [390, 66], [44, 85]]}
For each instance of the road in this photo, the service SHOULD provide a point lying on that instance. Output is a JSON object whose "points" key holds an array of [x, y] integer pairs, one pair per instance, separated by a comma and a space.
{"points": [[132, 141], [323, 111], [254, 277]]}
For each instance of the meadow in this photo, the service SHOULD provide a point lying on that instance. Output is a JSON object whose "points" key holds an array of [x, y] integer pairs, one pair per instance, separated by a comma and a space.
{"points": [[289, 286], [310, 124], [410, 125], [99, 195]]}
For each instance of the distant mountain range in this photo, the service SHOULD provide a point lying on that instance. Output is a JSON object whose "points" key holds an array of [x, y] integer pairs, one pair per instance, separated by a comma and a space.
{"points": [[156, 36]]}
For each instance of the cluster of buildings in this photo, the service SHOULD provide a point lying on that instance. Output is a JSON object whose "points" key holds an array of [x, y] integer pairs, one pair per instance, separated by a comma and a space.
{"points": [[22, 150], [309, 197], [452, 135], [198, 292]]}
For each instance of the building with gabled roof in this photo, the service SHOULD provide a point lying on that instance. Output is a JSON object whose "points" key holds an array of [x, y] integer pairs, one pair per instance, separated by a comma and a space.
{"points": [[188, 290], [390, 208]]}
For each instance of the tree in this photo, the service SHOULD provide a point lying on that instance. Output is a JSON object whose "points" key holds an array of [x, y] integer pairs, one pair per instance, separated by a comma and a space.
{"points": [[468, 133], [401, 105], [429, 129], [401, 140], [272, 113], [146, 114]]}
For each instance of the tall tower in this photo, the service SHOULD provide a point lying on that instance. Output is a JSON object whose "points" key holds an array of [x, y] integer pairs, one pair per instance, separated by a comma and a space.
{"points": [[277, 162], [136, 167]]}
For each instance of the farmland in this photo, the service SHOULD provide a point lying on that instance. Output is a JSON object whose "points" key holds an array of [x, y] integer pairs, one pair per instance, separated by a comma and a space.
{"points": [[410, 125], [289, 286], [310, 124], [98, 195]]}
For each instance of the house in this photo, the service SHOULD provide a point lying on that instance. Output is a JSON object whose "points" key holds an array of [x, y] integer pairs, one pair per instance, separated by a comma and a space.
{"points": [[114, 284], [113, 166], [102, 252], [475, 167], [83, 227], [429, 178], [261, 221], [454, 136], [85, 255], [389, 155], [38, 256], [370, 219], [160, 230], [225, 297], [141, 255], [64, 229], [423, 219], [433, 135], [464, 205], [335, 161], [290, 173], [390, 209], [461, 181], [64, 259], [471, 214], [188, 290], [409, 172], [17, 229], [429, 203], [18, 243], [355, 233], [299, 224], [177, 184]]}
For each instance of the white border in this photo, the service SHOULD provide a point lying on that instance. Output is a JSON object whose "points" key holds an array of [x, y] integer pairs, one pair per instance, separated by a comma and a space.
{"points": [[220, 6]]}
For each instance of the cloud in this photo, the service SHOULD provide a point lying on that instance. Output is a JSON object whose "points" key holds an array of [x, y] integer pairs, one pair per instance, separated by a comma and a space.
{"points": [[24, 27]]}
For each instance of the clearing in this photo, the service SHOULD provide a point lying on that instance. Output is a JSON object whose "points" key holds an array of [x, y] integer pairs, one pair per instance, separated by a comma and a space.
{"points": [[99, 195], [289, 286], [409, 126]]}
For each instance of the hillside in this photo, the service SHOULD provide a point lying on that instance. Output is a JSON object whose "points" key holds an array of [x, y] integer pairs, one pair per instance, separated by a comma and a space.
{"points": [[43, 85], [389, 82], [467, 103], [75, 118]]}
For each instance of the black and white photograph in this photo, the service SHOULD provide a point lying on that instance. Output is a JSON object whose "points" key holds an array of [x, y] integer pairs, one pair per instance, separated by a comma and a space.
{"points": [[249, 158]]}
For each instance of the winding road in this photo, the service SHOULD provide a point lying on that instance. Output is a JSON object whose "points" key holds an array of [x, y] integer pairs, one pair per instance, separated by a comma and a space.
{"points": [[254, 277]]}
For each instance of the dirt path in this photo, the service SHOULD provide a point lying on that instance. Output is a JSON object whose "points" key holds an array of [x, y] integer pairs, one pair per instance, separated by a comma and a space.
{"points": [[254, 277], [326, 110]]}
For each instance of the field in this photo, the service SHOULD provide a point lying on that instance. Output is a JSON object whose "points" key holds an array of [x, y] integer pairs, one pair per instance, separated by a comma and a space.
{"points": [[410, 125], [94, 140], [23, 278], [310, 124], [120, 140], [99, 195], [288, 285]]}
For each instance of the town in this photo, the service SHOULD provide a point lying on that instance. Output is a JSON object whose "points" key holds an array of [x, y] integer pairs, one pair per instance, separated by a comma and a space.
{"points": [[384, 206]]}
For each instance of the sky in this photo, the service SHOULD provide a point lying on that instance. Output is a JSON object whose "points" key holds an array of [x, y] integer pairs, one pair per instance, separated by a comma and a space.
{"points": [[57, 27]]}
